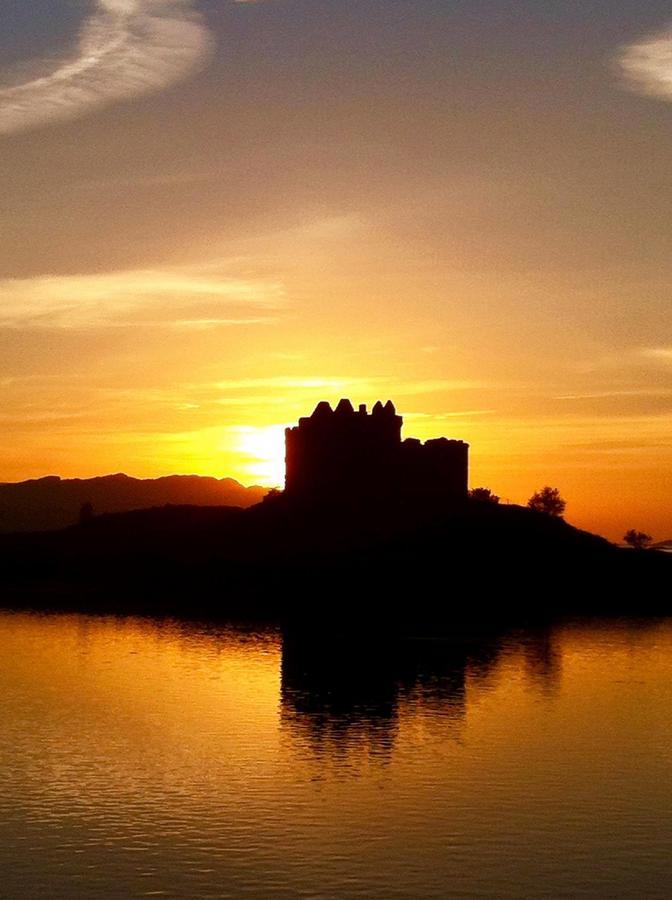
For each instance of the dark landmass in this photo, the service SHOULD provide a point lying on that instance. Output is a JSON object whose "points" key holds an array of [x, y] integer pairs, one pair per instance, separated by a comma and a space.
{"points": [[663, 545], [50, 503], [411, 567]]}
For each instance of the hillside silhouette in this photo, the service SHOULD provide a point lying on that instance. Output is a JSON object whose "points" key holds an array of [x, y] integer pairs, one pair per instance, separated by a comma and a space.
{"points": [[358, 536], [409, 567], [663, 545], [48, 503]]}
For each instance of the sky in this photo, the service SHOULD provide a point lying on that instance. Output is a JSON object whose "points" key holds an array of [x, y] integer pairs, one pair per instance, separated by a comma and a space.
{"points": [[215, 214]]}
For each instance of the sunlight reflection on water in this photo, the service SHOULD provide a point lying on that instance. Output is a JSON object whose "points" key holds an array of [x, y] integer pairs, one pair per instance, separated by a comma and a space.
{"points": [[160, 758]]}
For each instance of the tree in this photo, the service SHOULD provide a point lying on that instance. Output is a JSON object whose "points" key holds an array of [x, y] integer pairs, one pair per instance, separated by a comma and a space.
{"points": [[483, 495], [85, 512], [638, 540], [547, 501]]}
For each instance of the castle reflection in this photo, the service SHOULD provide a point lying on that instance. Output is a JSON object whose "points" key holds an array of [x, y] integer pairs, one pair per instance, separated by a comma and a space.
{"points": [[343, 695]]}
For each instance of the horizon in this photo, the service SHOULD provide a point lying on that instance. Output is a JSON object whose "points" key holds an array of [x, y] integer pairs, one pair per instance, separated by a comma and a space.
{"points": [[218, 213], [268, 459]]}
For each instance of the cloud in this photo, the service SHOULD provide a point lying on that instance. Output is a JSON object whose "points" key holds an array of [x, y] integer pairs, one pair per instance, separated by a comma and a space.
{"points": [[647, 64], [188, 298], [126, 48], [609, 395], [376, 387], [308, 382], [458, 414], [659, 354]]}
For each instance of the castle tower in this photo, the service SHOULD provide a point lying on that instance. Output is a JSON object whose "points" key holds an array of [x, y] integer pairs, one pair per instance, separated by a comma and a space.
{"points": [[347, 455], [341, 452]]}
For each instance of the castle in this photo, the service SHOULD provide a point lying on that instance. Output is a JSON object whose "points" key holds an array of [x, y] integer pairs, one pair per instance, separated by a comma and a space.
{"points": [[344, 454]]}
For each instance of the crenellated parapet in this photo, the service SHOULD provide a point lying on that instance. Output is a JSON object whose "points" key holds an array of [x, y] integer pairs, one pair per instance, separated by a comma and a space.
{"points": [[347, 453]]}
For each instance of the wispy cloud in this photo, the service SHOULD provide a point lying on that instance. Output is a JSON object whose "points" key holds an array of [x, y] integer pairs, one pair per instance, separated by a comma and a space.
{"points": [[647, 64], [303, 382], [659, 354], [608, 395], [335, 387], [625, 359], [126, 48], [458, 414], [175, 298]]}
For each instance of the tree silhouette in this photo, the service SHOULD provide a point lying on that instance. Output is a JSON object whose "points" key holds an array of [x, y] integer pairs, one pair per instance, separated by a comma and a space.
{"points": [[86, 512], [638, 540], [483, 495], [547, 501]]}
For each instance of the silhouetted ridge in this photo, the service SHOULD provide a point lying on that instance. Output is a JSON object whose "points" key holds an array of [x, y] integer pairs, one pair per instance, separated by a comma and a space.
{"points": [[370, 530], [665, 546], [52, 502]]}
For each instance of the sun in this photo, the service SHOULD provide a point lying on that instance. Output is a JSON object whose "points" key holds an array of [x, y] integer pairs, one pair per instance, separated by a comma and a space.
{"points": [[262, 449]]}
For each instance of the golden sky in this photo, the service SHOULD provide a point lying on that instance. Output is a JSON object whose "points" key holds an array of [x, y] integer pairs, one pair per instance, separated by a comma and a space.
{"points": [[215, 214]]}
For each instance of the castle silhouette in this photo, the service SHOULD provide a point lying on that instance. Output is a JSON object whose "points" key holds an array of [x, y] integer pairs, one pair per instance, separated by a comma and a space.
{"points": [[344, 454]]}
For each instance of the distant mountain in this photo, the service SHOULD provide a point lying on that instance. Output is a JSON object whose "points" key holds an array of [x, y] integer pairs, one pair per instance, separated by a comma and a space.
{"points": [[52, 502], [663, 545]]}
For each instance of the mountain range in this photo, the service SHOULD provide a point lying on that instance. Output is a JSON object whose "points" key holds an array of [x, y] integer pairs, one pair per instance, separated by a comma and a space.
{"points": [[49, 503]]}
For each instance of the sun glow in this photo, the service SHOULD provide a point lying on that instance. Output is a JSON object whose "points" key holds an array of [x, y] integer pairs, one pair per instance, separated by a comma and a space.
{"points": [[263, 453]]}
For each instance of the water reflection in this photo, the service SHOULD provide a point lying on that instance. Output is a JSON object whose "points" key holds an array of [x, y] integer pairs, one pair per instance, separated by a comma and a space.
{"points": [[542, 660], [338, 694], [143, 757]]}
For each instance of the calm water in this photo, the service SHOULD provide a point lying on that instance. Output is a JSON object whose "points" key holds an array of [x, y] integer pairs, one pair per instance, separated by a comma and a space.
{"points": [[141, 758]]}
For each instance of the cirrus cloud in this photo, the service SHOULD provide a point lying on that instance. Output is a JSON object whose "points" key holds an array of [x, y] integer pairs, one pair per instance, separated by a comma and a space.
{"points": [[647, 64], [181, 298], [126, 48]]}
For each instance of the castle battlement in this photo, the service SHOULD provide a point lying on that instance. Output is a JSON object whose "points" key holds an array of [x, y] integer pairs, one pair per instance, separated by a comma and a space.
{"points": [[347, 453]]}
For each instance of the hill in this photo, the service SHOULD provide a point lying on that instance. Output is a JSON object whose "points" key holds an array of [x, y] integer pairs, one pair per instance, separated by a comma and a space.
{"points": [[665, 546], [50, 503], [395, 564]]}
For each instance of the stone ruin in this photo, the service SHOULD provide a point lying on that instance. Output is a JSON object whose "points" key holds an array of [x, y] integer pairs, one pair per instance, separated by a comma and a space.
{"points": [[343, 454]]}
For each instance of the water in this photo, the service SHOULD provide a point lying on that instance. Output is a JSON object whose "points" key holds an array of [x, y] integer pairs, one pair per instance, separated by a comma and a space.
{"points": [[143, 758]]}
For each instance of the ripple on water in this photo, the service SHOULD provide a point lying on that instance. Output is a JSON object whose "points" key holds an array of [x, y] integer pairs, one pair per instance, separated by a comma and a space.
{"points": [[142, 758]]}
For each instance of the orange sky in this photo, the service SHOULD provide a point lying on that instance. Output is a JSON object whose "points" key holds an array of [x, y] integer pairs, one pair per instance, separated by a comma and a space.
{"points": [[464, 208]]}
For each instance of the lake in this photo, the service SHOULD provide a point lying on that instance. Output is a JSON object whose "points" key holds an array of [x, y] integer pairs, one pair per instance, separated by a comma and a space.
{"points": [[162, 758]]}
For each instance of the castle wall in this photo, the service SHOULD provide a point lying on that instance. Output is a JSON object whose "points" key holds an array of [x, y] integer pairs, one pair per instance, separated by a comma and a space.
{"points": [[438, 467], [346, 454]]}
